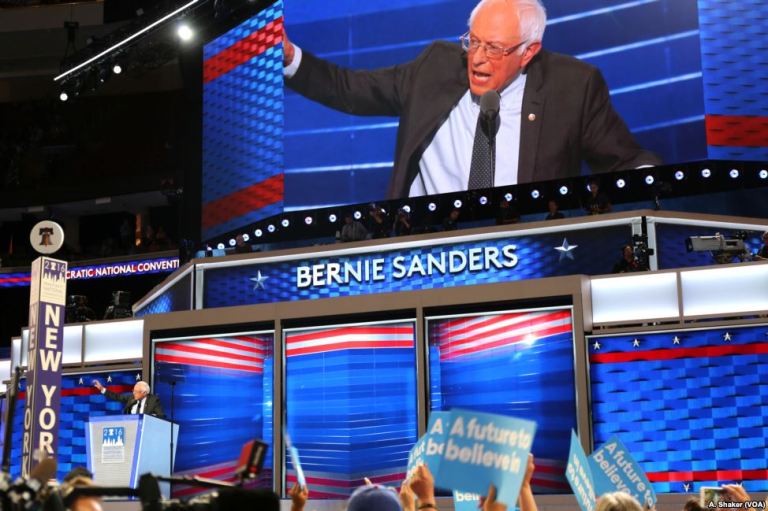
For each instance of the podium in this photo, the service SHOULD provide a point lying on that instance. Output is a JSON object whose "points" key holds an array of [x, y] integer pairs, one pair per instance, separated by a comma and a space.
{"points": [[120, 448]]}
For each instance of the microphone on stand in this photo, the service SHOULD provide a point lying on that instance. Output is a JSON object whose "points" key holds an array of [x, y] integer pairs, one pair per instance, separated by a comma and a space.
{"points": [[490, 103]]}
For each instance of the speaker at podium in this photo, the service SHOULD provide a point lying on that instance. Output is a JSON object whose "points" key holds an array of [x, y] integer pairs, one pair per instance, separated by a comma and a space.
{"points": [[120, 448]]}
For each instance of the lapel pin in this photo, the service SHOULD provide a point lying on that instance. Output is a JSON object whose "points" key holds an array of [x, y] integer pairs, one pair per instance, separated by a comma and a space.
{"points": [[531, 117]]}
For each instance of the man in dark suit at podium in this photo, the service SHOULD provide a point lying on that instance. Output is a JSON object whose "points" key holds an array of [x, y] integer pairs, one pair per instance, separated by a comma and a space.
{"points": [[139, 402]]}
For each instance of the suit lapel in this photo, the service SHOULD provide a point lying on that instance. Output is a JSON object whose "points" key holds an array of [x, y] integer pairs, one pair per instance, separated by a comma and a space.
{"points": [[531, 120]]}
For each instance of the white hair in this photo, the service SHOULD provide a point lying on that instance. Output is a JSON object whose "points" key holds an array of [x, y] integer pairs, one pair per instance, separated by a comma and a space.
{"points": [[532, 15], [618, 501], [143, 385]]}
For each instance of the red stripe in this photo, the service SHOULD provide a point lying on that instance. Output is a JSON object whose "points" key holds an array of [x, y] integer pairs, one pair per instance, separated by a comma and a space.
{"points": [[708, 475], [340, 483], [203, 351], [737, 130], [532, 319], [223, 344], [243, 201], [348, 346], [15, 279], [244, 50], [561, 329], [253, 340], [547, 483], [206, 363], [531, 325], [671, 354], [84, 391], [323, 334]]}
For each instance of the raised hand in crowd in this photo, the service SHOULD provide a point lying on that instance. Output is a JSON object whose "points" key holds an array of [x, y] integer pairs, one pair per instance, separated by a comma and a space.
{"points": [[489, 502], [407, 497], [526, 500], [423, 485], [299, 495]]}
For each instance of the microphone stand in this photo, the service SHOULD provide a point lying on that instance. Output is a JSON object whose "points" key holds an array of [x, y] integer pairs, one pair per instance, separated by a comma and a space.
{"points": [[172, 383], [491, 121]]}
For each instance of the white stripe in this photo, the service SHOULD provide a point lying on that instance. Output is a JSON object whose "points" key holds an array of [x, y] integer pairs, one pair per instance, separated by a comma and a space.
{"points": [[480, 319], [505, 334], [209, 358], [224, 349], [346, 338]]}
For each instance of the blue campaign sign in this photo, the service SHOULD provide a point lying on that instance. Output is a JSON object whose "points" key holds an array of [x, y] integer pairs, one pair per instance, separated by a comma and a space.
{"points": [[614, 469], [466, 501], [429, 447], [484, 448], [579, 475]]}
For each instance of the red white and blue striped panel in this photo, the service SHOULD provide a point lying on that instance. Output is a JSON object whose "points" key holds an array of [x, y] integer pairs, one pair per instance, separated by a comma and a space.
{"points": [[241, 353], [350, 338], [475, 335]]}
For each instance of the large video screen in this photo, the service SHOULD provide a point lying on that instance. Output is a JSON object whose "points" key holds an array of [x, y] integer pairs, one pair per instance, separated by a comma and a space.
{"points": [[691, 405], [265, 152], [221, 389], [350, 404], [79, 401], [517, 363]]}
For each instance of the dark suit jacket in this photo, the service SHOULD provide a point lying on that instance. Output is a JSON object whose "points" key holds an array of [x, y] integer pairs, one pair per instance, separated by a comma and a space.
{"points": [[567, 115], [151, 407]]}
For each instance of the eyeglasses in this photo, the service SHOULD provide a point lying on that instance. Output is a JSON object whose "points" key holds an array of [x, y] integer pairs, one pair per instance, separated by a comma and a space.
{"points": [[492, 51]]}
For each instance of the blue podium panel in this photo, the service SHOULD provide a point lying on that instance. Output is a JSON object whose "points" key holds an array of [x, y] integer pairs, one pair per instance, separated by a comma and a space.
{"points": [[121, 448], [516, 363]]}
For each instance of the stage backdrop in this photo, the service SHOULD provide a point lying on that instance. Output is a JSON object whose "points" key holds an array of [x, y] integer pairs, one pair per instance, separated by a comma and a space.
{"points": [[79, 401], [517, 363]]}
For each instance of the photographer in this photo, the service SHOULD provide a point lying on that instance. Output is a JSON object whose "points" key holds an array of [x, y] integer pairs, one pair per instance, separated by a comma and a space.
{"points": [[628, 262], [762, 254]]}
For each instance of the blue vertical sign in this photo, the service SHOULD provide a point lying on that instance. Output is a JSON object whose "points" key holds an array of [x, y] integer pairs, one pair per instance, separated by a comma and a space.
{"points": [[46, 323]]}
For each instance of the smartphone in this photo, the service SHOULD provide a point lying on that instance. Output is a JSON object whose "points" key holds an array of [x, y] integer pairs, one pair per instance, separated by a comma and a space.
{"points": [[711, 494]]}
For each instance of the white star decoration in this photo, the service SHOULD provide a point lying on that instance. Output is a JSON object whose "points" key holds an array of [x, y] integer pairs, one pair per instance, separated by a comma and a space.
{"points": [[109, 379], [596, 345], [636, 343], [566, 250], [727, 336], [80, 381], [258, 281], [675, 340], [138, 377], [686, 487]]}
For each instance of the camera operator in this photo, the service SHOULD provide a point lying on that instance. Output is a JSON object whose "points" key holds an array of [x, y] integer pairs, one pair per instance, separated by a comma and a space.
{"points": [[628, 262], [762, 254]]}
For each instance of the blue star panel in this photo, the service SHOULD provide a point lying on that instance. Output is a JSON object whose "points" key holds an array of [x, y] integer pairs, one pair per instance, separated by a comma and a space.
{"points": [[243, 124], [670, 245], [591, 252], [513, 363], [79, 401], [351, 404], [177, 298], [223, 399], [692, 406]]}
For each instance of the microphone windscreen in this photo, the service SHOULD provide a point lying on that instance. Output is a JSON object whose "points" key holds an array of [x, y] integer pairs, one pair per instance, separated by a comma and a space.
{"points": [[44, 470], [490, 103]]}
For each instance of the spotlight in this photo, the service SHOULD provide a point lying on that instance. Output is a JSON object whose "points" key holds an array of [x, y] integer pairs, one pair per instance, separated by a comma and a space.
{"points": [[358, 215], [407, 208], [285, 222], [431, 206], [457, 203], [220, 246], [620, 183], [308, 220], [232, 242], [734, 173], [649, 180], [563, 190], [63, 96], [117, 69], [535, 194], [763, 174], [246, 237], [271, 228], [705, 173], [332, 218], [258, 233], [679, 175], [508, 197], [184, 32], [483, 200]]}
